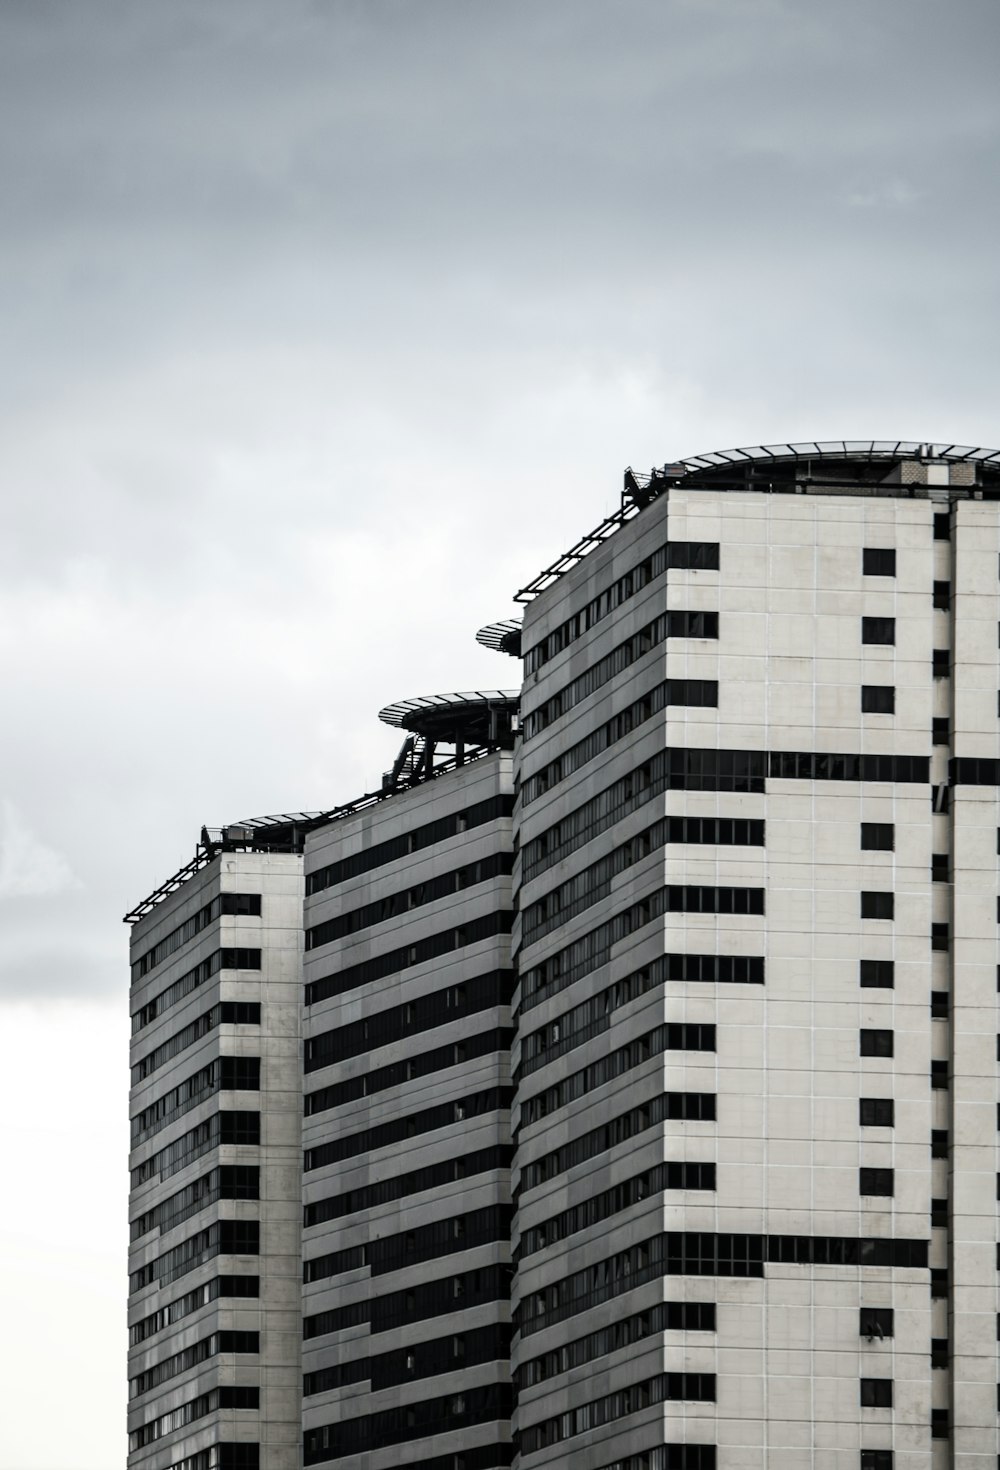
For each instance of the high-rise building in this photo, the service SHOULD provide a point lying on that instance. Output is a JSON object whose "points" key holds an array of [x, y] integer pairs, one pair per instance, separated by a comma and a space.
{"points": [[658, 1029]]}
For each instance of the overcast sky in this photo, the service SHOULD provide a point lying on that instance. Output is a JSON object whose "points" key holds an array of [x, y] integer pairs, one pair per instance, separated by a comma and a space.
{"points": [[325, 326]]}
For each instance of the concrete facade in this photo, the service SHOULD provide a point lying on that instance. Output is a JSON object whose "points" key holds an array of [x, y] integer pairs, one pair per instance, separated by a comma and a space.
{"points": [[215, 1259]]}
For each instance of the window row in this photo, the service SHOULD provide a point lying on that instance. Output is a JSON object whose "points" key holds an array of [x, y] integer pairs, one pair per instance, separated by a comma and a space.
{"points": [[242, 1455], [190, 1302], [493, 1402], [225, 1013], [686, 555], [668, 1457], [674, 1174], [496, 865], [222, 959], [417, 1303], [222, 1129], [241, 904], [386, 1253], [665, 1107], [395, 1074], [628, 794], [423, 1013], [494, 809], [226, 1181], [668, 1036], [663, 1317], [401, 1186], [665, 1387], [190, 1357], [440, 1355], [592, 1017], [396, 1130], [589, 952], [225, 1074], [224, 1238], [352, 977], [194, 1409], [619, 727]]}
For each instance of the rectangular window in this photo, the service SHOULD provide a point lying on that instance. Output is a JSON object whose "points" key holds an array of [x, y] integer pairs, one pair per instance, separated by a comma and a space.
{"points": [[939, 1005], [878, 837], [876, 1393], [876, 1323], [939, 1284], [940, 867], [876, 1043], [942, 596], [941, 663], [877, 905], [940, 1352], [880, 974], [939, 1213], [875, 1181], [878, 699], [940, 730], [940, 1424], [939, 1141], [876, 1460], [876, 562], [940, 937], [878, 630], [876, 1112], [942, 526], [939, 1074]]}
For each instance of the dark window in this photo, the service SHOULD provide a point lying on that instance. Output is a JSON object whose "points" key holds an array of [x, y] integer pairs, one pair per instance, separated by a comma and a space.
{"points": [[877, 905], [940, 730], [940, 867], [878, 974], [939, 1283], [940, 1424], [878, 699], [939, 1005], [876, 1393], [240, 1012], [939, 1074], [941, 663], [942, 595], [876, 1323], [939, 1142], [878, 630], [940, 1352], [876, 1460], [876, 1043], [875, 1181], [939, 1213], [877, 562], [940, 936], [876, 1112], [942, 525], [878, 837]]}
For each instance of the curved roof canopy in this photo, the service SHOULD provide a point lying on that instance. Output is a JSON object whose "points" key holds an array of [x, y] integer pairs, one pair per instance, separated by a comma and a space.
{"points": [[862, 450], [502, 637], [466, 718]]}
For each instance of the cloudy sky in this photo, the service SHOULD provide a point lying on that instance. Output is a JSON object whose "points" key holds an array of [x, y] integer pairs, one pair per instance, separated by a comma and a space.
{"points": [[325, 326]]}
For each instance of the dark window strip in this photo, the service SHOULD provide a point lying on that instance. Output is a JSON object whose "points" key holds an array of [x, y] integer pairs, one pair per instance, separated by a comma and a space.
{"points": [[226, 1012], [190, 1357], [394, 905], [674, 1174], [190, 1302], [412, 1247], [565, 1033], [666, 1106], [423, 1013], [222, 1129], [591, 884], [445, 1296], [974, 771], [419, 1064], [593, 949], [669, 1036], [401, 1186], [686, 555], [704, 1253], [475, 1457], [221, 959], [352, 977], [226, 1181], [397, 1130], [496, 808], [661, 1317], [225, 1074], [454, 1411], [609, 1408], [687, 1456], [241, 904], [429, 1359], [189, 1413], [225, 1237]]}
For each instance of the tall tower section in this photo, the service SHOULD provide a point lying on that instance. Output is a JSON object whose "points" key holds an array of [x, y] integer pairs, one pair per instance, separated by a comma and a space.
{"points": [[755, 1176], [214, 1209], [407, 1095]]}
